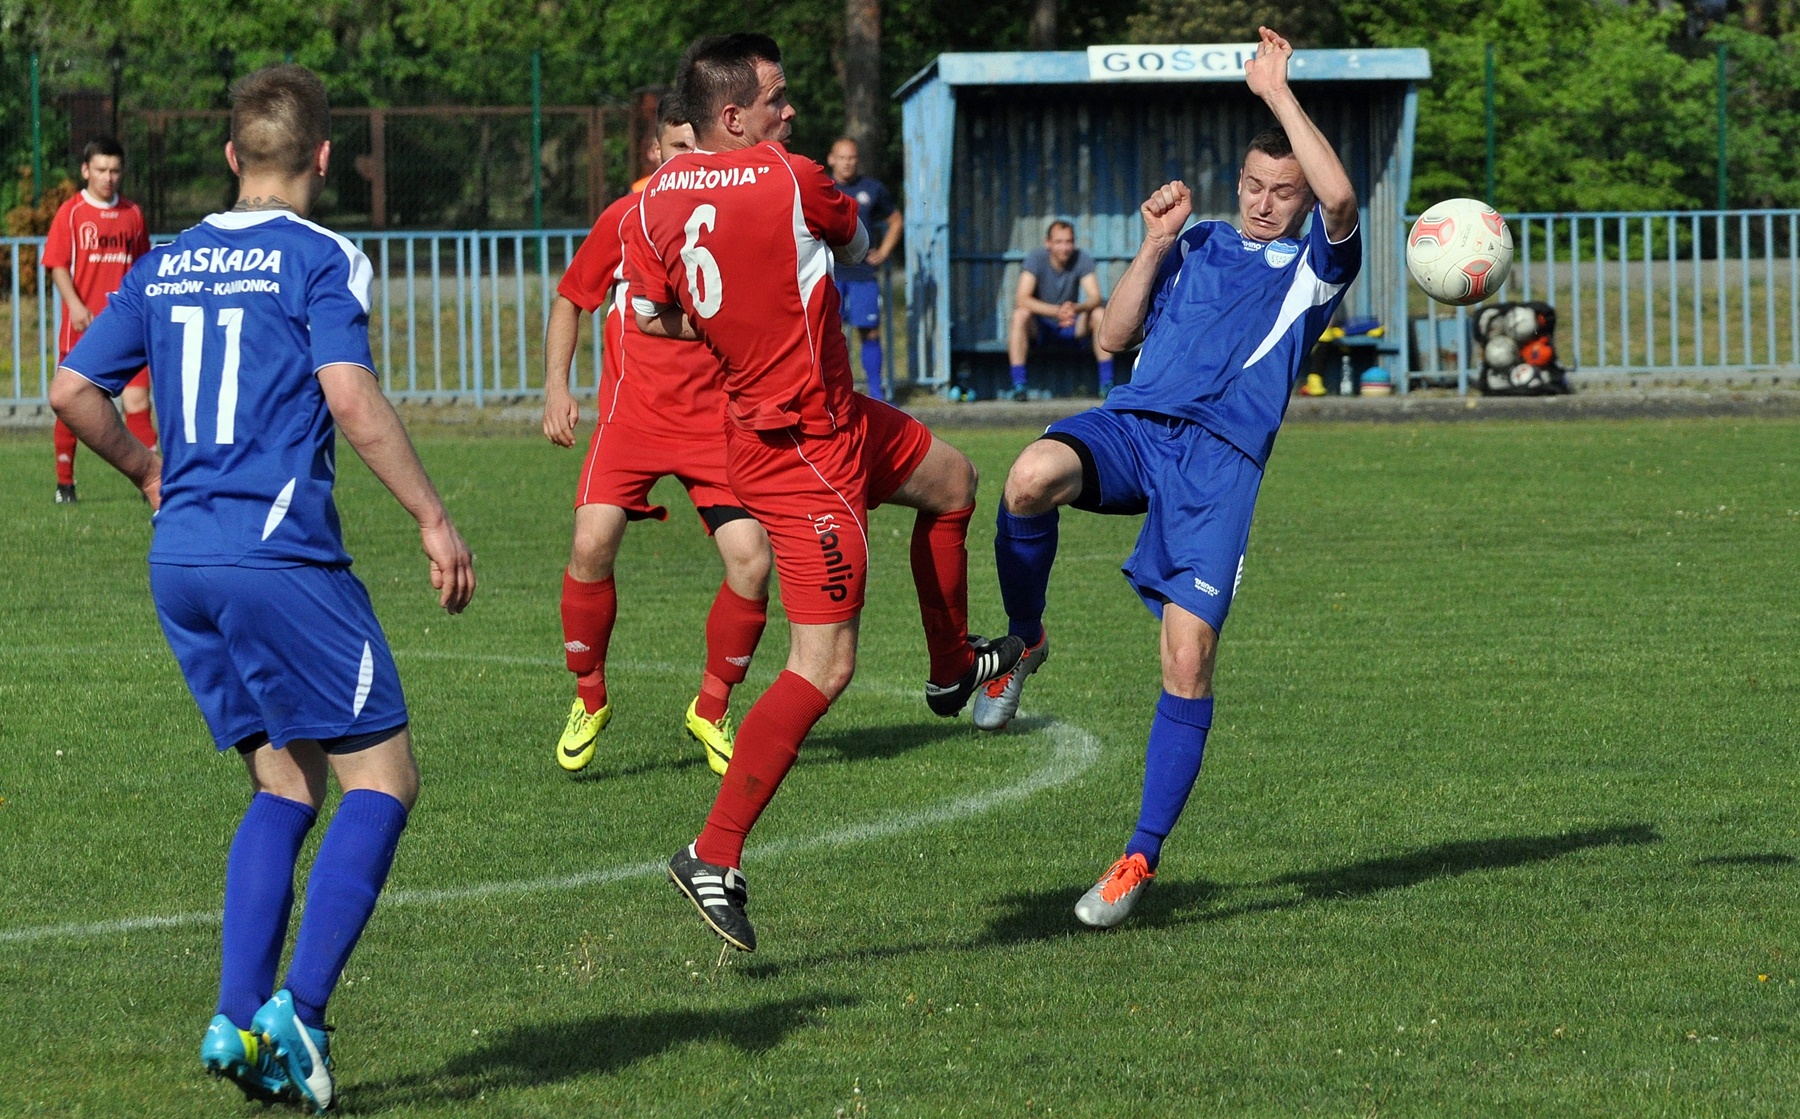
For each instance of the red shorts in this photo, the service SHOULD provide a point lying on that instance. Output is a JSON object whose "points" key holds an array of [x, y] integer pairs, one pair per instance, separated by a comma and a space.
{"points": [[813, 493], [624, 463]]}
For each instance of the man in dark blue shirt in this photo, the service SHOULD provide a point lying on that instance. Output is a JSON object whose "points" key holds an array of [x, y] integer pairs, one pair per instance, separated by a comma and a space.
{"points": [[859, 289], [1227, 317]]}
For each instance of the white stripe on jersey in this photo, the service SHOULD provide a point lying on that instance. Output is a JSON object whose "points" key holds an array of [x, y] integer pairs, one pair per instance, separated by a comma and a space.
{"points": [[1306, 292], [362, 273], [812, 259]]}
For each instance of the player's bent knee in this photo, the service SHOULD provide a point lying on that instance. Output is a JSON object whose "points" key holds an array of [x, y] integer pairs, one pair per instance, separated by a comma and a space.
{"points": [[1039, 480]]}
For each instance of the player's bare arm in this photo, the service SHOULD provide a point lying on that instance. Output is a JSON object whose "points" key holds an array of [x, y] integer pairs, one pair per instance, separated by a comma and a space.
{"points": [[369, 422], [90, 414], [665, 322], [1267, 77], [889, 240], [1165, 213], [80, 318], [561, 412]]}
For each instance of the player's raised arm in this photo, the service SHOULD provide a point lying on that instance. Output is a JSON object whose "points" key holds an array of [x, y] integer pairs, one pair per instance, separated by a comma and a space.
{"points": [[1267, 77], [1165, 212], [369, 422]]}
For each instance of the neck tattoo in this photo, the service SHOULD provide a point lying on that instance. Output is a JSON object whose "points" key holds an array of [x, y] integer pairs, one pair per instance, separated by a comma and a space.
{"points": [[272, 202]]}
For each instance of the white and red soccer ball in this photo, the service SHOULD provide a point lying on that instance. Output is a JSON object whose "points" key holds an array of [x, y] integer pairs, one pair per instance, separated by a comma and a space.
{"points": [[1460, 251]]}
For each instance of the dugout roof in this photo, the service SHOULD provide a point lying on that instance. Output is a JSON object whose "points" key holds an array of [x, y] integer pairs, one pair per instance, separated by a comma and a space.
{"points": [[1000, 144]]}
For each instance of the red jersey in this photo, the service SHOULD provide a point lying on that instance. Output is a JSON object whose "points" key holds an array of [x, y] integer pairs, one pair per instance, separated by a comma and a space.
{"points": [[741, 241], [650, 383], [97, 244]]}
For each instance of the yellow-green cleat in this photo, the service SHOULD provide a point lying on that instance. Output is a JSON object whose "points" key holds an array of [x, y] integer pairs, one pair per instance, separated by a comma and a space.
{"points": [[576, 748], [715, 738]]}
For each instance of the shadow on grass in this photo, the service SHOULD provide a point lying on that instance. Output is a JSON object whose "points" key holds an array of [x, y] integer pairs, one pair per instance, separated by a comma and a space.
{"points": [[850, 744], [533, 1056], [1766, 858], [1043, 915]]}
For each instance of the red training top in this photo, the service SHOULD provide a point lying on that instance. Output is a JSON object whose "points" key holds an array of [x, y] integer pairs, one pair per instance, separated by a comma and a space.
{"points": [[648, 383], [741, 242], [97, 244]]}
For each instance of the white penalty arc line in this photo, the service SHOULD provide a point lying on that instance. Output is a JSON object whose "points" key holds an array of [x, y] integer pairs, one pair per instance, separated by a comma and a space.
{"points": [[1074, 751]]}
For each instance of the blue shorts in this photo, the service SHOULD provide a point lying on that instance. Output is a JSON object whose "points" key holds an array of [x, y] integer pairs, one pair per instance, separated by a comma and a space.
{"points": [[1052, 333], [861, 302], [291, 652], [1197, 492]]}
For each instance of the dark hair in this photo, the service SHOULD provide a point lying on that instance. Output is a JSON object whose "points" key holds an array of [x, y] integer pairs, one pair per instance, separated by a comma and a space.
{"points": [[1272, 142], [671, 113], [279, 117], [102, 145], [720, 70], [1059, 224]]}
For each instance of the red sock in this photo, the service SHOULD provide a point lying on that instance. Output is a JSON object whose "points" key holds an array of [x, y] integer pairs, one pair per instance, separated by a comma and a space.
{"points": [[588, 611], [940, 564], [767, 745], [65, 455], [733, 627], [138, 423]]}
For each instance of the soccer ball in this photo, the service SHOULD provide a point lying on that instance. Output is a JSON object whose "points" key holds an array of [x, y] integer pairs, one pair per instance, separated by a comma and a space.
{"points": [[1460, 251]]}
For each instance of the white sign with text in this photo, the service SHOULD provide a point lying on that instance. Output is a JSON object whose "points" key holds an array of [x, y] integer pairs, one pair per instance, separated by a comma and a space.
{"points": [[1172, 61]]}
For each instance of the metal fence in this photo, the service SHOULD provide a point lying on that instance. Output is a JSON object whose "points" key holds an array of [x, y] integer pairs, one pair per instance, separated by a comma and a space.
{"points": [[451, 316], [1657, 295]]}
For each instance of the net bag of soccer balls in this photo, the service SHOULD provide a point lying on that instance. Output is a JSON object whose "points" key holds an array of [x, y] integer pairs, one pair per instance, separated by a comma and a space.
{"points": [[1516, 346]]}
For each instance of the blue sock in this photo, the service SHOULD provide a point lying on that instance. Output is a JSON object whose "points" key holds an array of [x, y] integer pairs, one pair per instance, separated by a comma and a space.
{"points": [[346, 878], [259, 895], [871, 359], [1018, 376], [1171, 765], [1024, 549], [1106, 374]]}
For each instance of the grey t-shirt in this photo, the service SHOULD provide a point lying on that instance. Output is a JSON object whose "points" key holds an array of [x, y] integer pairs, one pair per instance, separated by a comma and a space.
{"points": [[1054, 286]]}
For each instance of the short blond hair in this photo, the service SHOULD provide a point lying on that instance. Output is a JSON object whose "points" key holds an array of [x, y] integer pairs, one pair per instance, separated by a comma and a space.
{"points": [[279, 117]]}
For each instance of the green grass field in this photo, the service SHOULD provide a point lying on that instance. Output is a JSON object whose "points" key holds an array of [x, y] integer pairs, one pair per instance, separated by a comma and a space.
{"points": [[1498, 816]]}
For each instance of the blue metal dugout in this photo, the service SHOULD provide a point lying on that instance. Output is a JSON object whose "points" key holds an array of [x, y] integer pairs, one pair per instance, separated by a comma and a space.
{"points": [[998, 145]]}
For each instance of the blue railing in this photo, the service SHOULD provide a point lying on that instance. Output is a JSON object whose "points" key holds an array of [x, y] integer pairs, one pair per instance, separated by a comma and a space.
{"points": [[461, 315], [452, 315], [1659, 294]]}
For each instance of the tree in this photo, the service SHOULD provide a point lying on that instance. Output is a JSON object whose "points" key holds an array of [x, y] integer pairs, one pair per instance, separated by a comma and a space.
{"points": [[865, 117]]}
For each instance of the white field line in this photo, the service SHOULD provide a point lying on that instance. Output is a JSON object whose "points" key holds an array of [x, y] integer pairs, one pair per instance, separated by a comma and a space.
{"points": [[1074, 751]]}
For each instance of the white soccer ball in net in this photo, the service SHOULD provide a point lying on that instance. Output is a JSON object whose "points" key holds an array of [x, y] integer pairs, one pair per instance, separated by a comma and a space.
{"points": [[1460, 251]]}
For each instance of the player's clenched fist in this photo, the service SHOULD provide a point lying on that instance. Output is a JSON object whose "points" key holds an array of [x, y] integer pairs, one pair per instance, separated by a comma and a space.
{"points": [[1166, 212]]}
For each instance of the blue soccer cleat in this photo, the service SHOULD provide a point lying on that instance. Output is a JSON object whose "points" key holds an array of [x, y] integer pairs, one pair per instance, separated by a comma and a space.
{"points": [[241, 1057], [303, 1052]]}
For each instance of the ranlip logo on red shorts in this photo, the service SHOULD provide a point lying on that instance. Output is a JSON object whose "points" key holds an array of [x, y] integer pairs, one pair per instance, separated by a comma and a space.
{"points": [[838, 573]]}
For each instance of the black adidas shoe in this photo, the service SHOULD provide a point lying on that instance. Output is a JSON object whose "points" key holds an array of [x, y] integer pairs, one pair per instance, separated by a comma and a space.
{"points": [[65, 495], [993, 659], [719, 893]]}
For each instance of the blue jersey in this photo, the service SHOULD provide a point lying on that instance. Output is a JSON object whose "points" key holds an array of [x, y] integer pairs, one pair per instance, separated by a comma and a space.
{"points": [[234, 318], [874, 207], [1230, 325]]}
